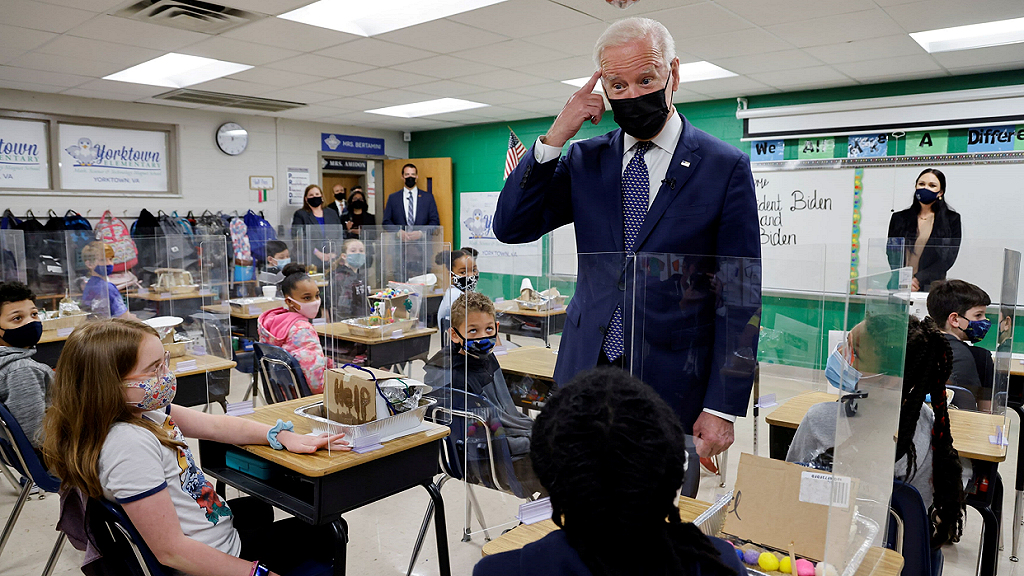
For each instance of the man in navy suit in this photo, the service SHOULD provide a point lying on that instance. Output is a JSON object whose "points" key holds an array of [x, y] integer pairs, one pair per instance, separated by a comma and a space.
{"points": [[411, 206], [656, 186]]}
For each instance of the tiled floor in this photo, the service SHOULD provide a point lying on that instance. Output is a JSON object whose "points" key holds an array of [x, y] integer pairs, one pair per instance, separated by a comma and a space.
{"points": [[382, 534]]}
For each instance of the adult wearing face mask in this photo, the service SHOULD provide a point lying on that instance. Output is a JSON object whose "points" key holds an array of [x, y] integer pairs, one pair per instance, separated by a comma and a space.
{"points": [[357, 216], [312, 224], [656, 184], [411, 206], [927, 235]]}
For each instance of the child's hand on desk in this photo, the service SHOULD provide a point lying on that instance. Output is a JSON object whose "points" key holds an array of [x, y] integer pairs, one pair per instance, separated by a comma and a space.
{"points": [[304, 444]]}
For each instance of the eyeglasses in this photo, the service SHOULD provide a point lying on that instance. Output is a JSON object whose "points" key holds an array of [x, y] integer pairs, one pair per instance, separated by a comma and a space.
{"points": [[163, 367]]}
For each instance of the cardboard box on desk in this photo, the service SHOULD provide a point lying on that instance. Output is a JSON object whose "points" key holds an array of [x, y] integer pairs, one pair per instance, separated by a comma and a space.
{"points": [[350, 395], [262, 303], [776, 503]]}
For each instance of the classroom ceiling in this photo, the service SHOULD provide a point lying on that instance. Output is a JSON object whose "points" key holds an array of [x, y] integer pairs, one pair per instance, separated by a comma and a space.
{"points": [[511, 56]]}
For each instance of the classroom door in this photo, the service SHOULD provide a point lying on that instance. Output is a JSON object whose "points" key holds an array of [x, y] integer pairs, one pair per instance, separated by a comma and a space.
{"points": [[435, 176]]}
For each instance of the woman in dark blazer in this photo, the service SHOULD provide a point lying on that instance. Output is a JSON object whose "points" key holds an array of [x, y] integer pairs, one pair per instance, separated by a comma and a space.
{"points": [[357, 216], [927, 235], [612, 455], [316, 231]]}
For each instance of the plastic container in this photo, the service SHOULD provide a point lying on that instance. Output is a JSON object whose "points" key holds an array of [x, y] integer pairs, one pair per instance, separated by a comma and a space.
{"points": [[383, 427]]}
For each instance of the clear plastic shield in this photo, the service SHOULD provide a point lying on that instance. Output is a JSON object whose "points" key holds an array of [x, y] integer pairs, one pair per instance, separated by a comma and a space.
{"points": [[12, 256], [1004, 330], [90, 286], [866, 417]]}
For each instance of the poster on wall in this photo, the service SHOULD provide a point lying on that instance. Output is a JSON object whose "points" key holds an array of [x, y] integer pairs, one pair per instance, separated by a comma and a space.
{"points": [[23, 155], [298, 179], [97, 158], [476, 214]]}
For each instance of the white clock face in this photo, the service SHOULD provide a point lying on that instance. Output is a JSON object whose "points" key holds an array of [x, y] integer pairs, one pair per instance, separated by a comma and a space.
{"points": [[232, 138]]}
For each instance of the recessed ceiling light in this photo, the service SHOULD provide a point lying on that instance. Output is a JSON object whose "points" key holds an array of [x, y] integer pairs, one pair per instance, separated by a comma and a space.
{"points": [[996, 33], [372, 17], [177, 71], [689, 72], [417, 109]]}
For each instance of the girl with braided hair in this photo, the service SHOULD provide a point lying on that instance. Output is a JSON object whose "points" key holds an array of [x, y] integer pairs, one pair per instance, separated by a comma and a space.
{"points": [[925, 457], [612, 454]]}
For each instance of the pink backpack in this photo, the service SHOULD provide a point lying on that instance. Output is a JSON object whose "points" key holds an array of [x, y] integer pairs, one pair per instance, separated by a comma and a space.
{"points": [[114, 232]]}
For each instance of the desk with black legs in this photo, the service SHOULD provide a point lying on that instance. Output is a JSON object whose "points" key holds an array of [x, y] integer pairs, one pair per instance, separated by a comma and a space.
{"points": [[320, 487]]}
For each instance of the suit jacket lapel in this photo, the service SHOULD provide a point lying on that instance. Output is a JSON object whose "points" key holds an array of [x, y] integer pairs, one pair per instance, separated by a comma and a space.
{"points": [[611, 171], [684, 163]]}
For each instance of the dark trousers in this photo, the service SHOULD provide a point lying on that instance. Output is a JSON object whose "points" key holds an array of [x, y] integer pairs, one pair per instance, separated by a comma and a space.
{"points": [[283, 545]]}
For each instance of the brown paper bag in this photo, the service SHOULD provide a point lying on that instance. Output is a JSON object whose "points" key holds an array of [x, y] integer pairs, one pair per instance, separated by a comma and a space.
{"points": [[350, 395]]}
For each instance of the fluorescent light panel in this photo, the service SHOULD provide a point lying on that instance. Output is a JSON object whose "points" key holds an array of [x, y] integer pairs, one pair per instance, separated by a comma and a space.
{"points": [[417, 109], [175, 70], [372, 17], [689, 72], [998, 33]]}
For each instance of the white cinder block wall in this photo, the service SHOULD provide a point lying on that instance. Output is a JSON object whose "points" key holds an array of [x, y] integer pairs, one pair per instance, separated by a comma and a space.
{"points": [[208, 178]]}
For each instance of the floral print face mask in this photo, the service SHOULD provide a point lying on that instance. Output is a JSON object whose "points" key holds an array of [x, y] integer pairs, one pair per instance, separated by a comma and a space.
{"points": [[159, 390]]}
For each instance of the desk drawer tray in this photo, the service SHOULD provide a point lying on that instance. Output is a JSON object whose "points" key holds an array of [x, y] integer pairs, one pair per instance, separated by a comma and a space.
{"points": [[383, 428]]}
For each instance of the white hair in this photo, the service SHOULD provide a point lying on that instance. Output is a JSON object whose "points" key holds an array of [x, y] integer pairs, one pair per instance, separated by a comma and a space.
{"points": [[630, 29]]}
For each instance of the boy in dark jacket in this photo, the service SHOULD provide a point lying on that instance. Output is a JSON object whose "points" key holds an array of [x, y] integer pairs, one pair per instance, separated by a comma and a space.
{"points": [[23, 381], [958, 308]]}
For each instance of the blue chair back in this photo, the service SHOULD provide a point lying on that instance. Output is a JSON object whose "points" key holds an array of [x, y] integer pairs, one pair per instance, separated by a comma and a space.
{"points": [[120, 542], [16, 451], [963, 398], [282, 375], [488, 459], [918, 557]]}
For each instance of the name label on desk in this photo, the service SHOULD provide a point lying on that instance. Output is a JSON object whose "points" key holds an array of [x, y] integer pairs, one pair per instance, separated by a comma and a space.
{"points": [[825, 489], [396, 334], [206, 292], [143, 291], [255, 310], [165, 294], [185, 365], [62, 332], [198, 350], [319, 321]]}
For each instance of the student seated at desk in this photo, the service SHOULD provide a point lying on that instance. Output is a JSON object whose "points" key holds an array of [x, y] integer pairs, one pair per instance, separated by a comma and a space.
{"points": [[289, 327], [23, 381], [113, 433], [474, 333], [612, 455], [464, 276], [925, 456], [350, 282], [278, 256], [100, 296], [958, 308]]}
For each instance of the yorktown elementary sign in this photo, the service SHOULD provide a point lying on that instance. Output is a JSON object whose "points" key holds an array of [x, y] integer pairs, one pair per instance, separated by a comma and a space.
{"points": [[23, 155], [96, 158]]}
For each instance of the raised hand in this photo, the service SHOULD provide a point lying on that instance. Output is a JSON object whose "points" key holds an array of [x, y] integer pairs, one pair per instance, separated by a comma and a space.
{"points": [[583, 105]]}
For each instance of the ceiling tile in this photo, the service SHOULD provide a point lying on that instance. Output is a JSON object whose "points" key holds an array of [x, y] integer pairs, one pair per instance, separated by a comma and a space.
{"points": [[385, 98], [552, 90], [353, 104], [609, 13], [768, 62], [297, 95], [859, 50], [39, 16], [800, 77], [449, 89], [239, 51], [500, 97], [282, 78], [872, 69], [8, 54], [541, 107], [739, 43], [444, 66], [90, 5], [102, 94], [442, 36], [993, 56], [288, 34], [235, 86], [510, 53], [133, 33], [683, 96], [508, 18], [948, 13], [577, 41], [126, 88], [385, 77], [838, 28], [40, 77], [272, 7], [764, 13], [28, 86], [73, 46], [22, 38], [335, 87], [376, 52], [170, 103], [319, 66], [699, 20], [722, 87], [502, 79], [65, 64], [493, 112], [564, 69]]}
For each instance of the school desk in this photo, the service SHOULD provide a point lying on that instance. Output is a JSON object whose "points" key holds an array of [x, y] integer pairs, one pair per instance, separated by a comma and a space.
{"points": [[970, 431], [534, 362], [382, 352], [193, 383], [533, 323], [320, 487], [50, 345]]}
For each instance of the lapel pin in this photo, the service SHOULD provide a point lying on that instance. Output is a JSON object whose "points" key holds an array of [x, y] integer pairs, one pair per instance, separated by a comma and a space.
{"points": [[685, 164]]}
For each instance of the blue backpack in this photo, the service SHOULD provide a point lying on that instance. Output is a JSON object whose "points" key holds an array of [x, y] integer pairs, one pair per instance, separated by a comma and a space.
{"points": [[259, 232]]}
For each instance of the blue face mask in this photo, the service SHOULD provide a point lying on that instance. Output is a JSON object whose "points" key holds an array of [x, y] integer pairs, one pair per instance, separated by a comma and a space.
{"points": [[976, 329], [476, 347], [104, 270], [926, 196], [356, 259], [282, 262], [839, 373]]}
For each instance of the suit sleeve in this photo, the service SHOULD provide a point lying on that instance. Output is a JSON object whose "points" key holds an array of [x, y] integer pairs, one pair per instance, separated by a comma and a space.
{"points": [[389, 209], [948, 249], [536, 199], [433, 218], [739, 248]]}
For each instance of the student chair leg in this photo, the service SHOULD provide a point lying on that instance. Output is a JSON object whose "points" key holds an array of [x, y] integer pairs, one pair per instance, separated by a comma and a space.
{"points": [[423, 527], [440, 530], [1019, 501], [479, 515], [9, 527], [55, 554]]}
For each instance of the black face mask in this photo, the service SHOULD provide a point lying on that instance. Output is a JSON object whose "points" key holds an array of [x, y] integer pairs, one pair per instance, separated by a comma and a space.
{"points": [[358, 205], [24, 336], [315, 201], [410, 181], [641, 117]]}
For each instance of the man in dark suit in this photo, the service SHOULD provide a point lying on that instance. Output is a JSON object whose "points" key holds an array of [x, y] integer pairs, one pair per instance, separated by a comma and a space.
{"points": [[654, 188], [411, 206]]}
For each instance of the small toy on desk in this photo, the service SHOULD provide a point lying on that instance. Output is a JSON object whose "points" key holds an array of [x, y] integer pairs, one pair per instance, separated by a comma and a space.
{"points": [[824, 569], [768, 561], [804, 567], [750, 556], [786, 565]]}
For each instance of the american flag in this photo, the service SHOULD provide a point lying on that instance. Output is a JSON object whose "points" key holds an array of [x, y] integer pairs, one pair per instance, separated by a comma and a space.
{"points": [[515, 153]]}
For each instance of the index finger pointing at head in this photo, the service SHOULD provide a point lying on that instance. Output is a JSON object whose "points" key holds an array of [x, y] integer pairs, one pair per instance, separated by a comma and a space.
{"points": [[592, 83]]}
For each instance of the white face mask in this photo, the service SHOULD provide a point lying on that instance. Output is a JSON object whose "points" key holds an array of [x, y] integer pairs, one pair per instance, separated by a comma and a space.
{"points": [[308, 309]]}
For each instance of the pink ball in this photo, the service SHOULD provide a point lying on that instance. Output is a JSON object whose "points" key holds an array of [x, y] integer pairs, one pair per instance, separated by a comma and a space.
{"points": [[804, 567]]}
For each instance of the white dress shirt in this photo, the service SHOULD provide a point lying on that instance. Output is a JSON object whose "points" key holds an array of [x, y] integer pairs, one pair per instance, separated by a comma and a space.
{"points": [[405, 203], [657, 158]]}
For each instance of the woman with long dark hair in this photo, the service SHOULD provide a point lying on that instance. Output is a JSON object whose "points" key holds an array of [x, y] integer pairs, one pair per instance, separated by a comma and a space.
{"points": [[612, 454], [927, 235]]}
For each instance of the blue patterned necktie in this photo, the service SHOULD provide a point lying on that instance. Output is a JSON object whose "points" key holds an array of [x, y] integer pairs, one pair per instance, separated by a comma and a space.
{"points": [[636, 193], [410, 210]]}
